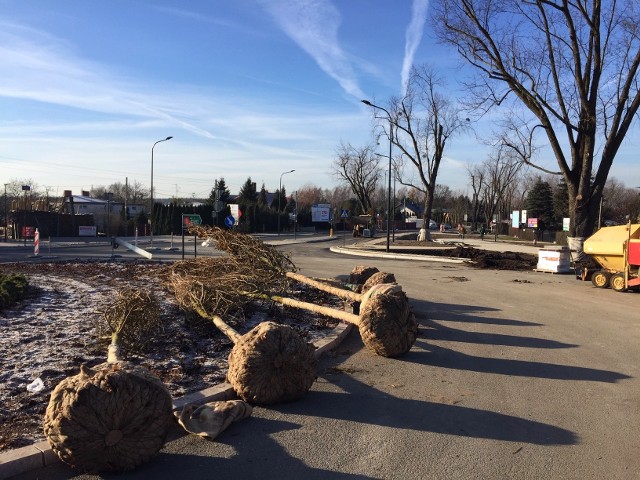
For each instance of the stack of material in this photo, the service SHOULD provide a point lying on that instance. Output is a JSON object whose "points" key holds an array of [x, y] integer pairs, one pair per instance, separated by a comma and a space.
{"points": [[554, 259]]}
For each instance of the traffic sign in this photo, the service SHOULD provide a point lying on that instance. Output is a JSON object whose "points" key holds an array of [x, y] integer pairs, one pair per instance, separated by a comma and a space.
{"points": [[229, 221], [344, 213], [189, 219]]}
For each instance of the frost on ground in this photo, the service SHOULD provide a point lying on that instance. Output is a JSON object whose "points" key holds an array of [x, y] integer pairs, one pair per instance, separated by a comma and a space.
{"points": [[59, 327]]}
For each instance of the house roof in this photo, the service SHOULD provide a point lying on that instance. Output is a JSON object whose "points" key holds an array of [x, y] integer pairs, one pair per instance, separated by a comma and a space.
{"points": [[414, 207], [86, 200]]}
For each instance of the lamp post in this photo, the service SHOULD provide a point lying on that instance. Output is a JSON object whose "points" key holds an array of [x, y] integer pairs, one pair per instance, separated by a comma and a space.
{"points": [[25, 189], [6, 213], [279, 195], [151, 209], [367, 102]]}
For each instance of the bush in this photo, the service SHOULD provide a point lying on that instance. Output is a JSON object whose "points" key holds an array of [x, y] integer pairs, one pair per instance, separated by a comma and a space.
{"points": [[13, 288]]}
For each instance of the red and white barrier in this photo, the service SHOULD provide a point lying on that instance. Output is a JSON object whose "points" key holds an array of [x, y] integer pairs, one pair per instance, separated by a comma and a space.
{"points": [[36, 243]]}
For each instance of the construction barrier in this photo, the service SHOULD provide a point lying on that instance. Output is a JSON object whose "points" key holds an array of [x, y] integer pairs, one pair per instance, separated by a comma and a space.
{"points": [[36, 243]]}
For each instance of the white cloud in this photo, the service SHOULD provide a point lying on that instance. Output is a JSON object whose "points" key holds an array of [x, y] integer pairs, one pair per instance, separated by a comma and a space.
{"points": [[413, 38], [39, 67], [313, 26]]}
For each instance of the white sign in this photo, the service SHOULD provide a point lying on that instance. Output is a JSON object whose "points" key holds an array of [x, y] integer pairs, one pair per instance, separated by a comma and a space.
{"points": [[235, 211], [321, 212], [524, 216], [86, 231]]}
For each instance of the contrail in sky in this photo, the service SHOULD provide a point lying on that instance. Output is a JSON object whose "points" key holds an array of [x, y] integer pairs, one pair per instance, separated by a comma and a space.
{"points": [[413, 38], [313, 26]]}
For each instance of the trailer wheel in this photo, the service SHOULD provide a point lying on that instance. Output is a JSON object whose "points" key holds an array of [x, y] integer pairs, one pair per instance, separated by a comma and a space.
{"points": [[617, 282], [600, 279]]}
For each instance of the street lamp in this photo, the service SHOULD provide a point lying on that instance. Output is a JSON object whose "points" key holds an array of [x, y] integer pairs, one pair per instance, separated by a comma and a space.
{"points": [[6, 213], [279, 195], [151, 209], [367, 102]]}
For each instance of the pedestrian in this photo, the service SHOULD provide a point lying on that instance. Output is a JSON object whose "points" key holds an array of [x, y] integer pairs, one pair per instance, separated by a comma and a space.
{"points": [[461, 231], [482, 232]]}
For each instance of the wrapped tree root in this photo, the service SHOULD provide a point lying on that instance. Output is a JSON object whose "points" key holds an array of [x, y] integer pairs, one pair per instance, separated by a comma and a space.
{"points": [[269, 364], [386, 322], [113, 417]]}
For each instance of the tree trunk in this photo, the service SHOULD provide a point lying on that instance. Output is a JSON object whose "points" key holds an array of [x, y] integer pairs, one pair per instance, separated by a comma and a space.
{"points": [[426, 216]]}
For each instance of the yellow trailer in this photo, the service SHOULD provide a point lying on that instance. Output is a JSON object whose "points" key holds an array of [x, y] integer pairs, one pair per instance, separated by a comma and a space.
{"points": [[617, 251]]}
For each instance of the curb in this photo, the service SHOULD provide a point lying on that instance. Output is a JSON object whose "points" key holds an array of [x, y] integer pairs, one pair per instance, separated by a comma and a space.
{"points": [[396, 256], [39, 455]]}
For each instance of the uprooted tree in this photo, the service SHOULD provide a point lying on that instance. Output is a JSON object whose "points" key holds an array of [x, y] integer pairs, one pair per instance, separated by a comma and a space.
{"points": [[573, 66]]}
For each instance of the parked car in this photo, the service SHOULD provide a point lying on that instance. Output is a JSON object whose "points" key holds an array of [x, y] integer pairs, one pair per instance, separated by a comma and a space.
{"points": [[433, 225]]}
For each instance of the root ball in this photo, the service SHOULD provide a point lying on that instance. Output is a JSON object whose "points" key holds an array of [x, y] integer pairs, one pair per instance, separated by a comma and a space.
{"points": [[377, 279], [271, 364], [112, 418], [361, 274], [387, 325]]}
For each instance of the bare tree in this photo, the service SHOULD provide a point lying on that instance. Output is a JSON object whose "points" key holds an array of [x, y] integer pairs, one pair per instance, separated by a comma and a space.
{"points": [[619, 203], [359, 167], [476, 175], [500, 172], [423, 119], [572, 65]]}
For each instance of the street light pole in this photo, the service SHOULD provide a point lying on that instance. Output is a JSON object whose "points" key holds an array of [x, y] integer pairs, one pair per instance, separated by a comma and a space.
{"points": [[151, 206], [279, 195], [367, 102], [6, 213]]}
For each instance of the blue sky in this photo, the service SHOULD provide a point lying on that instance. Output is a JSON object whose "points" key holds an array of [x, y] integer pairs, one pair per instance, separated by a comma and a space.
{"points": [[246, 88]]}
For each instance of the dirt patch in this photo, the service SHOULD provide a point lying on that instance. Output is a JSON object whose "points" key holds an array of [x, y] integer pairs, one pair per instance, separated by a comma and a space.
{"points": [[478, 258]]}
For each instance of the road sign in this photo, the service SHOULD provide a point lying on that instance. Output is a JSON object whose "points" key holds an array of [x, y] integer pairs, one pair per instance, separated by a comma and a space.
{"points": [[219, 206], [189, 219], [229, 221], [235, 211], [344, 213]]}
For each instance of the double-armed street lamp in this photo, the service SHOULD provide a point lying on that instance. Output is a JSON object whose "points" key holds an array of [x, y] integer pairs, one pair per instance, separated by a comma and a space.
{"points": [[280, 195], [367, 102], [151, 206]]}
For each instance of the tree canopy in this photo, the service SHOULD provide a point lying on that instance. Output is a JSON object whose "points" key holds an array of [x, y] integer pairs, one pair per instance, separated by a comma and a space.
{"points": [[570, 72]]}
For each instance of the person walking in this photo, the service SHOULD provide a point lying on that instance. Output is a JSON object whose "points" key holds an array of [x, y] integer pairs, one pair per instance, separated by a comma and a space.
{"points": [[482, 232]]}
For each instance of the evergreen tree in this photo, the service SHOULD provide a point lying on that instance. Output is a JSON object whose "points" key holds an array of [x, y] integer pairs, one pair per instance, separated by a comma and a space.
{"points": [[279, 199], [248, 194], [219, 185], [262, 198], [539, 204], [560, 201]]}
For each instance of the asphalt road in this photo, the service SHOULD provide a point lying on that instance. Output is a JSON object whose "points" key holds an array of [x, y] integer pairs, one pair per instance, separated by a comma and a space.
{"points": [[515, 375], [163, 248]]}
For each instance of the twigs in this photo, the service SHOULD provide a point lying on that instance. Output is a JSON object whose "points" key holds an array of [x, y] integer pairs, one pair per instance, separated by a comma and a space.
{"points": [[132, 318]]}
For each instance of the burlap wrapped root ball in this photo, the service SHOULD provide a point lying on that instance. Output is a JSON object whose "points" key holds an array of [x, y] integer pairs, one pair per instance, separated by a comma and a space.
{"points": [[112, 418], [361, 274], [378, 278], [271, 364], [387, 324]]}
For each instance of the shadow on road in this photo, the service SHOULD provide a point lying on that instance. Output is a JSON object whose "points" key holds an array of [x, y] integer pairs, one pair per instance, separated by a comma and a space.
{"points": [[365, 404]]}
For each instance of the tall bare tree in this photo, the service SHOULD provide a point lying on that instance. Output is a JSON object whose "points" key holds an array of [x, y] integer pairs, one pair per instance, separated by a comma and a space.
{"points": [[424, 120], [359, 167], [573, 65], [476, 175], [499, 173]]}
